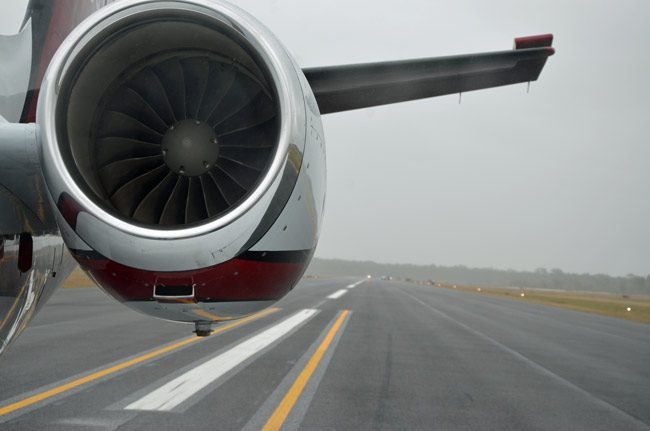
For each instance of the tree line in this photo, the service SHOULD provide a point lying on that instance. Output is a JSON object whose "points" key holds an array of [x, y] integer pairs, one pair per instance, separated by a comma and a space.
{"points": [[541, 278]]}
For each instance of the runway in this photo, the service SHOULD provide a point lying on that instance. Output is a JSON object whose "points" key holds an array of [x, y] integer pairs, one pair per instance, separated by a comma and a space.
{"points": [[335, 354]]}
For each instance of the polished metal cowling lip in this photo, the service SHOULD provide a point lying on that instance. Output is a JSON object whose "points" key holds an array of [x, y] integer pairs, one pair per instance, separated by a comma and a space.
{"points": [[283, 77]]}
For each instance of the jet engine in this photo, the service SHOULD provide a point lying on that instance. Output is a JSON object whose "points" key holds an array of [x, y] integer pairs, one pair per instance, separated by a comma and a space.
{"points": [[182, 148]]}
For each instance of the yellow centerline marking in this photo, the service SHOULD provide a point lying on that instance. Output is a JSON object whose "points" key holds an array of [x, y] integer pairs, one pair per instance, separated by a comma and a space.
{"points": [[280, 414], [121, 366], [202, 313]]}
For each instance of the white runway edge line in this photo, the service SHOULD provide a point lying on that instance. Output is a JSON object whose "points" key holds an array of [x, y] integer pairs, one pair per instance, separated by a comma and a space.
{"points": [[172, 394], [338, 294]]}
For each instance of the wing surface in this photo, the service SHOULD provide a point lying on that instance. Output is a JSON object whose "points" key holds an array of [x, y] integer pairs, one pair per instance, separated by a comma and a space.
{"points": [[355, 86]]}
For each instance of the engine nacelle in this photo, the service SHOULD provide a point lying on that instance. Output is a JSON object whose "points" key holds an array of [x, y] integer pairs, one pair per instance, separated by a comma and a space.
{"points": [[183, 149]]}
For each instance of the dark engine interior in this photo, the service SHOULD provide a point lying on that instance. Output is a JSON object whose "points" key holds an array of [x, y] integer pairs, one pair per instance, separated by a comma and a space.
{"points": [[168, 120]]}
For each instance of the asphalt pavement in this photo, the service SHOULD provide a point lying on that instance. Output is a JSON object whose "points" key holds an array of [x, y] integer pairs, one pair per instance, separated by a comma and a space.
{"points": [[335, 354]]}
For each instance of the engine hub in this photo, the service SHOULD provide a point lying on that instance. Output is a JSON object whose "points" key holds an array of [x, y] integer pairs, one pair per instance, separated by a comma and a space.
{"points": [[190, 148]]}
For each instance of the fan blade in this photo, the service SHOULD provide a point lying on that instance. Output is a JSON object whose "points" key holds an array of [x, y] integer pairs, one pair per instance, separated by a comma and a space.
{"points": [[109, 150], [116, 174], [151, 207], [127, 198], [148, 85], [197, 72], [231, 189], [221, 78], [128, 101], [195, 206], [260, 110], [245, 176], [174, 209], [241, 93], [254, 158], [171, 76], [262, 135], [122, 125], [215, 202]]}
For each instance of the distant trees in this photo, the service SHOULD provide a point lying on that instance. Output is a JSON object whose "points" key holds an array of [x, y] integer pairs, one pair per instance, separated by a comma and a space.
{"points": [[540, 278]]}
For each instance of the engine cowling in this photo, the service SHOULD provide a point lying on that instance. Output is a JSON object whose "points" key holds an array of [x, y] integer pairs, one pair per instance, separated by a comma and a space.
{"points": [[182, 147]]}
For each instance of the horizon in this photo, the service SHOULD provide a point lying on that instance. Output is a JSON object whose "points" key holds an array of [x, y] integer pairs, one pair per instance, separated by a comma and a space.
{"points": [[549, 270]]}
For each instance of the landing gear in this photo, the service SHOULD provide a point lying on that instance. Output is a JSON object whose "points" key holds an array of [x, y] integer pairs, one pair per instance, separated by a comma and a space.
{"points": [[203, 329]]}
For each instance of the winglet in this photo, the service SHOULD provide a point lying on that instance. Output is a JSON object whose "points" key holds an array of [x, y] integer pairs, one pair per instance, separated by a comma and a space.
{"points": [[355, 86], [537, 41]]}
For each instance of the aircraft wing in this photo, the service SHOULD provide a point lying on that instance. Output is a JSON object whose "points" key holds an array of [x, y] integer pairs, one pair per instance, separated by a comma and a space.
{"points": [[342, 88]]}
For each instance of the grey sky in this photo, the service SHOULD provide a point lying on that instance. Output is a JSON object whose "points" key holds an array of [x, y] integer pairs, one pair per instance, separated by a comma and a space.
{"points": [[559, 177]]}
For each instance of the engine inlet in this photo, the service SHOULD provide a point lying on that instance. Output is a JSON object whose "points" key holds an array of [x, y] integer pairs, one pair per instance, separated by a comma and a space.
{"points": [[176, 130]]}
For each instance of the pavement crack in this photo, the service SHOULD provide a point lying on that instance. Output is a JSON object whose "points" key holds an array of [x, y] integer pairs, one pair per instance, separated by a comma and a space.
{"points": [[384, 393]]}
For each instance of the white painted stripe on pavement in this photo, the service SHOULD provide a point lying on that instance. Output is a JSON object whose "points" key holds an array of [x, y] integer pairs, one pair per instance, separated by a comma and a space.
{"points": [[176, 391], [353, 285], [338, 294]]}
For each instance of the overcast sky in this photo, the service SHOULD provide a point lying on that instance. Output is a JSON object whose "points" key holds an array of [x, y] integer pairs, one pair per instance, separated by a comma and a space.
{"points": [[557, 178]]}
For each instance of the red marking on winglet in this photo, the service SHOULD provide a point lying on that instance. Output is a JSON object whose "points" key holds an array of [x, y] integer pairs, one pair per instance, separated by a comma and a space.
{"points": [[537, 41]]}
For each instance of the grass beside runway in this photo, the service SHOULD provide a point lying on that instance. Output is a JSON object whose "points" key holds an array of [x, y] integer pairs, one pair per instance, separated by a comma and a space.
{"points": [[598, 303]]}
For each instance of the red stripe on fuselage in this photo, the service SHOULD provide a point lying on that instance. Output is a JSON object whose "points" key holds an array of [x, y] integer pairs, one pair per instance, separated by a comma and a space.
{"points": [[66, 15], [50, 45]]}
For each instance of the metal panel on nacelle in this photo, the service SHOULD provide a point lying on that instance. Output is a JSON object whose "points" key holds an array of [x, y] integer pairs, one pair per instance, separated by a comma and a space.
{"points": [[298, 226]]}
